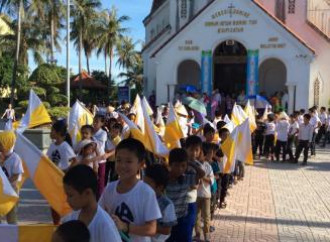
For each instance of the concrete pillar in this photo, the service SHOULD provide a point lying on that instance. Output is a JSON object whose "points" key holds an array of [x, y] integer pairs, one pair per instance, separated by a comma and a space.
{"points": [[292, 98]]}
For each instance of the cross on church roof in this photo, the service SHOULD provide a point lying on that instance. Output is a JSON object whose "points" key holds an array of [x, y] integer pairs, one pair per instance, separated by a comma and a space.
{"points": [[231, 7]]}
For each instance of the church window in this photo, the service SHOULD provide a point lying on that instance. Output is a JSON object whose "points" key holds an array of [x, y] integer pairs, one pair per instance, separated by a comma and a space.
{"points": [[280, 10], [292, 6], [317, 92]]}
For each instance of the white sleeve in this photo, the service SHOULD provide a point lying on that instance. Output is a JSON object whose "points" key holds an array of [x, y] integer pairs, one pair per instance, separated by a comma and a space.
{"points": [[17, 166], [150, 205], [169, 218], [108, 229], [104, 199], [68, 153]]}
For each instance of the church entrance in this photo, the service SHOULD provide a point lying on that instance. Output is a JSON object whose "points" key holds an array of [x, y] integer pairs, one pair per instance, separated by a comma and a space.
{"points": [[229, 67]]}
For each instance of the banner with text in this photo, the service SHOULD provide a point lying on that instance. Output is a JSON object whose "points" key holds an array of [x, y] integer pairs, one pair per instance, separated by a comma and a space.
{"points": [[252, 84], [124, 94], [206, 72]]}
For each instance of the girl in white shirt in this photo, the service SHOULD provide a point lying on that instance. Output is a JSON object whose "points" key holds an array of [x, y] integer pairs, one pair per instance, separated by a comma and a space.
{"points": [[270, 137], [61, 153]]}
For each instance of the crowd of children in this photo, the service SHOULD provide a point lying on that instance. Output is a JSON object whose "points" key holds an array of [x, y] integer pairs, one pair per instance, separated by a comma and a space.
{"points": [[278, 133], [120, 192]]}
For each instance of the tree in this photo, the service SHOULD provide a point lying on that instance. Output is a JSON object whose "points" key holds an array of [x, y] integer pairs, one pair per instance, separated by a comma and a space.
{"points": [[133, 76], [48, 80], [83, 13], [111, 31], [126, 53]]}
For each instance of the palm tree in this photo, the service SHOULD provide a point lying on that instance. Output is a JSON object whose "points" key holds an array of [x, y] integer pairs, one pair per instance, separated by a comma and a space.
{"points": [[134, 75], [126, 53], [111, 32], [84, 11]]}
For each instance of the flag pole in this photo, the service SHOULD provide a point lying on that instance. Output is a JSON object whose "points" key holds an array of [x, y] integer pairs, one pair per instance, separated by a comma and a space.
{"points": [[68, 52]]}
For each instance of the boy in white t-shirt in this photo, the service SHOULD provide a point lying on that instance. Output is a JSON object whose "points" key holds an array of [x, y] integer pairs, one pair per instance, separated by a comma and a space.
{"points": [[80, 185], [204, 193], [12, 166], [157, 176], [131, 203]]}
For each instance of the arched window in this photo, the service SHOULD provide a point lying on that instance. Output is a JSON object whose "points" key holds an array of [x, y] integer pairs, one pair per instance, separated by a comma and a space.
{"points": [[317, 92]]}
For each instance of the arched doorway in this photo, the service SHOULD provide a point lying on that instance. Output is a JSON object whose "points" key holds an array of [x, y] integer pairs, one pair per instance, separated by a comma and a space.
{"points": [[272, 77], [189, 73], [229, 67]]}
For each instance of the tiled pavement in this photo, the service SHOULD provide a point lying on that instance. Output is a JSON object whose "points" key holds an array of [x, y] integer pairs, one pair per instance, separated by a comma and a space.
{"points": [[275, 202], [279, 202]]}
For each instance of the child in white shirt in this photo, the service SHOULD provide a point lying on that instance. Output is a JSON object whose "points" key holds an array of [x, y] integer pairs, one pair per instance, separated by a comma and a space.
{"points": [[12, 166], [157, 177], [204, 194], [61, 153], [270, 137], [131, 203], [80, 185], [282, 130]]}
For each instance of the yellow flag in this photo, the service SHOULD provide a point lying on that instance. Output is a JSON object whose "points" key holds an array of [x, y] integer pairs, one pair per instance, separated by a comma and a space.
{"points": [[229, 148], [8, 197], [36, 114], [250, 113], [78, 117], [46, 176], [244, 146], [173, 131]]}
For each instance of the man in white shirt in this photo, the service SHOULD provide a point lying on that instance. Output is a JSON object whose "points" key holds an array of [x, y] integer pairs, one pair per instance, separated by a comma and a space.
{"points": [[9, 113], [282, 130], [305, 137], [316, 123], [323, 119]]}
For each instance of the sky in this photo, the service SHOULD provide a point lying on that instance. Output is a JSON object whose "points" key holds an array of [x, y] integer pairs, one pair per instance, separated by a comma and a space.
{"points": [[137, 10]]}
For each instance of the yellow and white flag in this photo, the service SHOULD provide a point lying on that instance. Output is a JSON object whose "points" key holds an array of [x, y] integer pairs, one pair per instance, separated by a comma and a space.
{"points": [[251, 115], [78, 117], [26, 233], [229, 149], [136, 133], [173, 131], [8, 197], [137, 108], [36, 114], [46, 176], [244, 146], [229, 124], [157, 146], [149, 109], [160, 122], [238, 115]]}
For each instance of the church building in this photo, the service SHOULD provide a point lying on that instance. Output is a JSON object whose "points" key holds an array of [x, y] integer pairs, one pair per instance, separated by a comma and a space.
{"points": [[260, 46]]}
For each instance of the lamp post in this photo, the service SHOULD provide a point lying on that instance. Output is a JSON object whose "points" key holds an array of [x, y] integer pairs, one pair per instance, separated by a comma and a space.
{"points": [[68, 51]]}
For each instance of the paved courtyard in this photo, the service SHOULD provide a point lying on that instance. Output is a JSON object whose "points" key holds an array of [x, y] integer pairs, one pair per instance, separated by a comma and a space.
{"points": [[275, 202]]}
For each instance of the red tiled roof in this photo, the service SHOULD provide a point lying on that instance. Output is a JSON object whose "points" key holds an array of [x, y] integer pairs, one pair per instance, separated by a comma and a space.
{"points": [[258, 5], [87, 82]]}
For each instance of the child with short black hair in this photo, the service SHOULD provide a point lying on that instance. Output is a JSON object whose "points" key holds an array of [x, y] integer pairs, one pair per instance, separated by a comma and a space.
{"points": [[225, 178], [80, 186], [182, 178], [305, 137], [157, 176], [204, 194], [113, 141], [209, 133], [270, 137], [71, 231], [136, 217], [258, 137], [194, 149]]}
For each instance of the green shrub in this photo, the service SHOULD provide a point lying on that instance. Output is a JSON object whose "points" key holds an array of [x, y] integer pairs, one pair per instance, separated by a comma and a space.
{"points": [[59, 112]]}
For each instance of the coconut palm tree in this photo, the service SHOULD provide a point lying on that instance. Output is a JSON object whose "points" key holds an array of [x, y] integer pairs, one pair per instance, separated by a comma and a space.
{"points": [[111, 31], [126, 53], [133, 76], [83, 13]]}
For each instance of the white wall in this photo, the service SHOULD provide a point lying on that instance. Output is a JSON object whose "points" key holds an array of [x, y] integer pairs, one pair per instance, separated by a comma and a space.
{"points": [[207, 38]]}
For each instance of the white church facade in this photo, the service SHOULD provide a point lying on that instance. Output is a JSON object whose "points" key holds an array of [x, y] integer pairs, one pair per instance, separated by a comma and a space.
{"points": [[261, 46]]}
